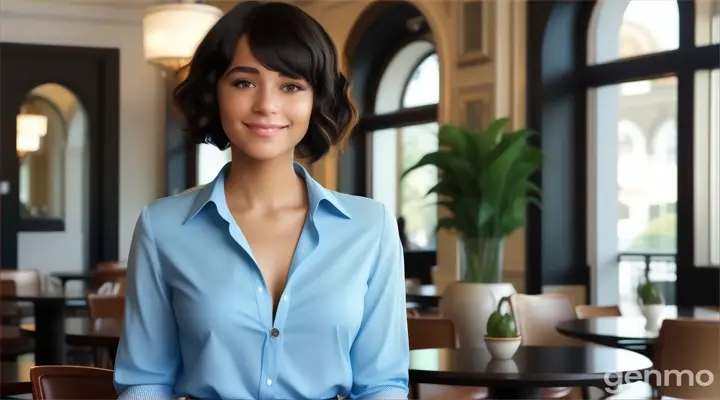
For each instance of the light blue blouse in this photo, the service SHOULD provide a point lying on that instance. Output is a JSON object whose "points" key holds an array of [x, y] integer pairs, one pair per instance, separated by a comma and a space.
{"points": [[198, 315]]}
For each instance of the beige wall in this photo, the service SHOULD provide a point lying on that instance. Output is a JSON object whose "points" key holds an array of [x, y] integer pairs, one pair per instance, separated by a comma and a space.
{"points": [[501, 78]]}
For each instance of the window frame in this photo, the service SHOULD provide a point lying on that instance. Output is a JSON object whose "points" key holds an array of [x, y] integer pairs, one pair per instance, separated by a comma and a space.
{"points": [[557, 82], [683, 63]]}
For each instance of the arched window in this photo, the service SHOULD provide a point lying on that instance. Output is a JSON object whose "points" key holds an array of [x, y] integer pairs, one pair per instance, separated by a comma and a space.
{"points": [[396, 76], [632, 155], [650, 61], [664, 149], [411, 79]]}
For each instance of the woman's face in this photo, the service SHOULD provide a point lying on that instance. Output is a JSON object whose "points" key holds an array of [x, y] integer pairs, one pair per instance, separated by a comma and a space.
{"points": [[263, 113]]}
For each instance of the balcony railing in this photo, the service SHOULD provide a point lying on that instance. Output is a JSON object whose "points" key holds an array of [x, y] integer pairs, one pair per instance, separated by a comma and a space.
{"points": [[632, 272]]}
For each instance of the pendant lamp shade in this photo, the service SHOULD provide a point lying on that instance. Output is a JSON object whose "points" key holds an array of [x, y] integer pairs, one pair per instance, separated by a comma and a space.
{"points": [[172, 32]]}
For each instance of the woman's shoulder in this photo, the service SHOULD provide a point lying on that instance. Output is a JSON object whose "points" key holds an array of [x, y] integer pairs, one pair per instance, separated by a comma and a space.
{"points": [[363, 207], [172, 209]]}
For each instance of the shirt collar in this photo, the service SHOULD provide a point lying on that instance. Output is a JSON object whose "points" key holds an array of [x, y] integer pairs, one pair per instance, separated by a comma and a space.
{"points": [[214, 192]]}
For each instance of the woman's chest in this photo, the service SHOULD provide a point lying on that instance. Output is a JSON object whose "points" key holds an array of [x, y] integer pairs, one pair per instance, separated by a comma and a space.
{"points": [[227, 295]]}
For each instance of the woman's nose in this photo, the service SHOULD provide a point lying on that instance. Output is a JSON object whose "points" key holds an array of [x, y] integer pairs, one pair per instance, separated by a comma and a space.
{"points": [[266, 101]]}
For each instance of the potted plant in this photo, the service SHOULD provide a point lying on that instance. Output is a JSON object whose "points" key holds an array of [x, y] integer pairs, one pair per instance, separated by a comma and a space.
{"points": [[502, 339], [484, 182], [651, 300]]}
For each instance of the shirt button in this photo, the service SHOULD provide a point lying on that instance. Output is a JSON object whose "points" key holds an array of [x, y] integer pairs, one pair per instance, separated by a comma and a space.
{"points": [[260, 290], [286, 297], [274, 332], [269, 382]]}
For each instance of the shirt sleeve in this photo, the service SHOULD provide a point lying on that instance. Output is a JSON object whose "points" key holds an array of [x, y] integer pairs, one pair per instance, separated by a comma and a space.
{"points": [[147, 359], [380, 354]]}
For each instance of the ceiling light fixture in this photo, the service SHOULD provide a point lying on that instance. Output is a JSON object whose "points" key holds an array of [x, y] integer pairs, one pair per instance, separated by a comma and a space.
{"points": [[172, 32]]}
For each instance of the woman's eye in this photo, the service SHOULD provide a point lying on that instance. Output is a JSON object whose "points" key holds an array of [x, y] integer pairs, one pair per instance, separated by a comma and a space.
{"points": [[242, 83], [292, 88]]}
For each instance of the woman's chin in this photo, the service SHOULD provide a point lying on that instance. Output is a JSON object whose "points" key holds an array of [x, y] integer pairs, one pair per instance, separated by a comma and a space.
{"points": [[265, 153]]}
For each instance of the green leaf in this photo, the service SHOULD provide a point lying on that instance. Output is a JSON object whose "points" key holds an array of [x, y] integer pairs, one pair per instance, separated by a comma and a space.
{"points": [[445, 161], [455, 139], [506, 154]]}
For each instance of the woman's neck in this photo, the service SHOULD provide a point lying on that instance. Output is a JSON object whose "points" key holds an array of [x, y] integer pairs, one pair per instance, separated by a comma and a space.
{"points": [[263, 186]]}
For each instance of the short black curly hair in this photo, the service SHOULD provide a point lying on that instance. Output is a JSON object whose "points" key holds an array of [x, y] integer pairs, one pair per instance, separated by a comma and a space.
{"points": [[284, 39]]}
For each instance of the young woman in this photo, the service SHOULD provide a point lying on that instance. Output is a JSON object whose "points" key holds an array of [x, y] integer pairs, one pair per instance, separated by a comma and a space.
{"points": [[263, 284]]}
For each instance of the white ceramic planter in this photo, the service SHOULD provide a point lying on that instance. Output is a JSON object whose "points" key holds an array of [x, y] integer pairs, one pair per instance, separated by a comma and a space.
{"points": [[502, 348], [469, 306], [653, 314]]}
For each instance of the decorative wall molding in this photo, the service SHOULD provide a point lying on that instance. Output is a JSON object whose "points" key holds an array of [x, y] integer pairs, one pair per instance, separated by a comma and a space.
{"points": [[476, 106], [474, 32]]}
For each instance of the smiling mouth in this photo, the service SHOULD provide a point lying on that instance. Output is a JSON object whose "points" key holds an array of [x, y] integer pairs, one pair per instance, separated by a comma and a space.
{"points": [[265, 130]]}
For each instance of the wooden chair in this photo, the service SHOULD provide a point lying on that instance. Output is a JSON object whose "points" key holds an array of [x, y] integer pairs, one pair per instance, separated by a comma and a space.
{"points": [[435, 333], [105, 276], [688, 345], [26, 281], [536, 317], [105, 307], [589, 311], [13, 342], [55, 382]]}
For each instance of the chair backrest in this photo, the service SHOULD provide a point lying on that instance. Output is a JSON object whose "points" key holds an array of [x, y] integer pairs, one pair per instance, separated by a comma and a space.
{"points": [[537, 317], [55, 382], [27, 281], [103, 276], [588, 311], [690, 347], [431, 333], [106, 306]]}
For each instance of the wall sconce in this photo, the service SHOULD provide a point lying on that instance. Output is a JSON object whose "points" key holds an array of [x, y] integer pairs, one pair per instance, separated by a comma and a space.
{"points": [[172, 32], [30, 128]]}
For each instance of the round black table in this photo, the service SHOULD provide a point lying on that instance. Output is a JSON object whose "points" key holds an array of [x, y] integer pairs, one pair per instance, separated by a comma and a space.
{"points": [[79, 331], [627, 332], [531, 369], [49, 314], [610, 331]]}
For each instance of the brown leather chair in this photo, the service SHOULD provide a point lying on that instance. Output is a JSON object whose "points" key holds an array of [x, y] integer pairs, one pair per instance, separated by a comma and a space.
{"points": [[56, 382], [688, 345], [438, 333], [588, 311], [106, 306], [106, 274]]}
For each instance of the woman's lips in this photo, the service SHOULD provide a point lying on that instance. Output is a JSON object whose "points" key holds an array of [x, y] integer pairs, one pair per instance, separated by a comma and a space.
{"points": [[265, 130]]}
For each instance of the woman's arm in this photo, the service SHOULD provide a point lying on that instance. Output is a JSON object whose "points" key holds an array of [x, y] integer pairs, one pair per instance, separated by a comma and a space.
{"points": [[380, 354], [148, 354]]}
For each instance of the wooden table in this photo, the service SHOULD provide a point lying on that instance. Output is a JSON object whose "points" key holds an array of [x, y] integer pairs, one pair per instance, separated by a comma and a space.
{"points": [[49, 314], [531, 369]]}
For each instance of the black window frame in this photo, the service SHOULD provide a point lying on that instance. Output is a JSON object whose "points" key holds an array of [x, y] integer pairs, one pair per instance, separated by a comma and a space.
{"points": [[557, 38]]}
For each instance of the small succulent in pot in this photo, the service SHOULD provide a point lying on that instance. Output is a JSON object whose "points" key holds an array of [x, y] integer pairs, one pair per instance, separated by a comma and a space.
{"points": [[502, 339], [649, 293], [501, 325]]}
